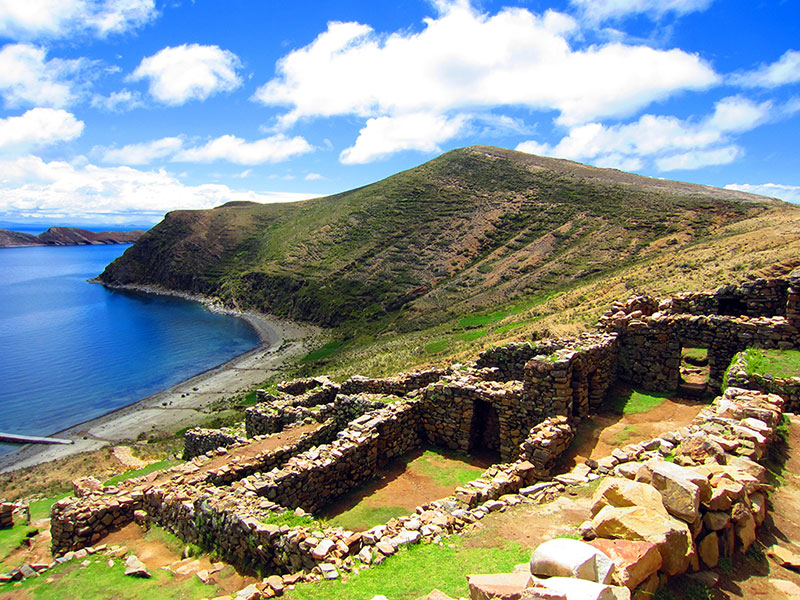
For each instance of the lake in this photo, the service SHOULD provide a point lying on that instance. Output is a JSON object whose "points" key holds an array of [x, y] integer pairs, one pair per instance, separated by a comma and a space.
{"points": [[72, 351]]}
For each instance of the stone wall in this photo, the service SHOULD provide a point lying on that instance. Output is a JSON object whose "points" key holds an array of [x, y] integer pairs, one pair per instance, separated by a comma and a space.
{"points": [[7, 514], [574, 379], [757, 298], [650, 345], [786, 387], [510, 359], [462, 412], [545, 444], [399, 385], [198, 441], [313, 479], [273, 413]]}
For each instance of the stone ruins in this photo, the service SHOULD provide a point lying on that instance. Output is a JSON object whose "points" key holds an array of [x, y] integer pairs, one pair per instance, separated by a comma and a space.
{"points": [[686, 497]]}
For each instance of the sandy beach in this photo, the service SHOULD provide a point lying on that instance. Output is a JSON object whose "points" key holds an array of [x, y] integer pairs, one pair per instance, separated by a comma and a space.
{"points": [[182, 404]]}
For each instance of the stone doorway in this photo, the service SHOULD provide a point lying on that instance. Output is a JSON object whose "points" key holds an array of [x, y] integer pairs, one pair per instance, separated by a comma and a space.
{"points": [[484, 432], [695, 371]]}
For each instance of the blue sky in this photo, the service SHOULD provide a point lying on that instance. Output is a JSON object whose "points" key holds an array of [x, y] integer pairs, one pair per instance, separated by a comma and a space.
{"points": [[116, 111]]}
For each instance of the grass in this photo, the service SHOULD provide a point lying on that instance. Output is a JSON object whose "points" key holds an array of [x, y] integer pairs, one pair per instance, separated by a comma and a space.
{"points": [[156, 466], [290, 519], [364, 515], [778, 363], [326, 351], [630, 402], [416, 570], [436, 347], [472, 321], [10, 539], [695, 356], [623, 436], [446, 468], [98, 581]]}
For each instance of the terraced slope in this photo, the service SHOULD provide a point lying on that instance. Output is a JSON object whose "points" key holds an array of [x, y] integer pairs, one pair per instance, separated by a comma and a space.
{"points": [[472, 228]]}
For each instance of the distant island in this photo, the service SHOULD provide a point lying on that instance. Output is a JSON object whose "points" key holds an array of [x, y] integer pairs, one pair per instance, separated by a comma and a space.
{"points": [[67, 236]]}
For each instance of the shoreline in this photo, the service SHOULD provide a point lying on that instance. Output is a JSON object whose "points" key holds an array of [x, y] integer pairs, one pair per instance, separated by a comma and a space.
{"points": [[182, 404]]}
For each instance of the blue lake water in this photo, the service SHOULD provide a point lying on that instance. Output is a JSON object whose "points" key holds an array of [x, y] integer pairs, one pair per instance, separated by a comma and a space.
{"points": [[72, 351]]}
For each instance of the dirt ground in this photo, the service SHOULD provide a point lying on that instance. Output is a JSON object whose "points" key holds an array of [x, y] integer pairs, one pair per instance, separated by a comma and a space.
{"points": [[402, 483], [599, 435]]}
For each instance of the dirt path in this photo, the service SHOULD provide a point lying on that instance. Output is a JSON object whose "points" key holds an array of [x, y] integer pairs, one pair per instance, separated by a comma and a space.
{"points": [[599, 435]]}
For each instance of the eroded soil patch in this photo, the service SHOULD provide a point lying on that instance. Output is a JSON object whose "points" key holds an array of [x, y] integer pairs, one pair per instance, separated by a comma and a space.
{"points": [[600, 434], [407, 482]]}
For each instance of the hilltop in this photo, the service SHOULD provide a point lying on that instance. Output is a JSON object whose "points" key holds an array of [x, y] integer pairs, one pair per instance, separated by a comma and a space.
{"points": [[67, 236], [468, 230]]}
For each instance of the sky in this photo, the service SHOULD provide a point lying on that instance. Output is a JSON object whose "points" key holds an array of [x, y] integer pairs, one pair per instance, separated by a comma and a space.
{"points": [[113, 112]]}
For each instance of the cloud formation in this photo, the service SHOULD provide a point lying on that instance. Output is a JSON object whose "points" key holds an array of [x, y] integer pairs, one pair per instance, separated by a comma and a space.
{"points": [[604, 10], [463, 60], [38, 127], [783, 71], [670, 142], [230, 148], [178, 74], [386, 135], [31, 19], [789, 193], [28, 78], [34, 189]]}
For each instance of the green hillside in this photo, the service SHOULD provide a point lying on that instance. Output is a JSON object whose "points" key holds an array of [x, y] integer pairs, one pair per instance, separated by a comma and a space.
{"points": [[472, 229]]}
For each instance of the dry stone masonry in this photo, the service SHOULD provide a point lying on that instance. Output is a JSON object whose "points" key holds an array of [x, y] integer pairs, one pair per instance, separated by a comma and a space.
{"points": [[520, 401]]}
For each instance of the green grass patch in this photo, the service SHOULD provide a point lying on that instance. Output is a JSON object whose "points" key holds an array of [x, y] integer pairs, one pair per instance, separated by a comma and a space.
{"points": [[40, 509], [436, 347], [290, 519], [416, 570], [156, 466], [472, 321], [695, 356], [10, 539], [98, 581], [441, 466], [513, 326], [621, 437], [471, 335], [326, 351], [631, 402], [778, 363], [363, 516]]}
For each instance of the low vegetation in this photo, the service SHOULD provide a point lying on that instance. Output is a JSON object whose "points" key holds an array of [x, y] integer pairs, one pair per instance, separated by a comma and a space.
{"points": [[777, 363]]}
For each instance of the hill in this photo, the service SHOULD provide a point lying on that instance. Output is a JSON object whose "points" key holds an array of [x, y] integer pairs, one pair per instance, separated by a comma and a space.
{"points": [[67, 236], [471, 229]]}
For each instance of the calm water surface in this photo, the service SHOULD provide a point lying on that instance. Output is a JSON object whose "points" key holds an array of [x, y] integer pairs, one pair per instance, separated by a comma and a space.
{"points": [[72, 351]]}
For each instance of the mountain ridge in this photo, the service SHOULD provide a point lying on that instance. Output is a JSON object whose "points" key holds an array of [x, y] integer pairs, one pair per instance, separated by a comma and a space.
{"points": [[67, 236], [455, 234]]}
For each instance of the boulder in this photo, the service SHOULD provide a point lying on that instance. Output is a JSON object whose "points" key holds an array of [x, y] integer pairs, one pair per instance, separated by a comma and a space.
{"points": [[85, 486], [135, 567], [671, 536], [680, 494], [708, 548], [434, 595], [746, 532], [634, 561], [620, 492], [580, 589], [499, 586], [698, 448], [563, 557], [716, 520]]}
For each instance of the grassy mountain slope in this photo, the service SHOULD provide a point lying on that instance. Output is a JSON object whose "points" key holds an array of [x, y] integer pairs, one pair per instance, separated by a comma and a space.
{"points": [[468, 230]]}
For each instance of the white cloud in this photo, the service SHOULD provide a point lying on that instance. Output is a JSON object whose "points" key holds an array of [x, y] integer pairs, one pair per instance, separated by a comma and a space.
{"points": [[38, 127], [697, 159], [31, 188], [386, 135], [26, 77], [141, 154], [602, 10], [783, 71], [314, 177], [189, 72], [789, 193], [229, 148], [120, 101], [27, 19], [670, 142], [463, 59], [233, 149]]}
